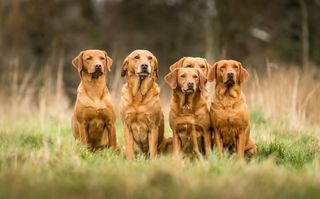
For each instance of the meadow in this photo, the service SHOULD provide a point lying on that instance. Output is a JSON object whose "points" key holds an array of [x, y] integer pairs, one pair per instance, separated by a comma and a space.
{"points": [[40, 158]]}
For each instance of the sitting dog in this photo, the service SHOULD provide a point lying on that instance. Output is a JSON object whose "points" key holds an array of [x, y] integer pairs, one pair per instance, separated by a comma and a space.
{"points": [[192, 62], [186, 62], [189, 116], [229, 112], [93, 120], [140, 108]]}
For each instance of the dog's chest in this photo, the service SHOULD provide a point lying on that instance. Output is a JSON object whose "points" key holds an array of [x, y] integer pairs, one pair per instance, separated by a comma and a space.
{"points": [[229, 116], [198, 117], [95, 114], [96, 120], [144, 115], [140, 123]]}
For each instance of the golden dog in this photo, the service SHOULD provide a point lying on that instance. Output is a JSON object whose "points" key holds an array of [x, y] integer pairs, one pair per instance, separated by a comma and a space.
{"points": [[140, 108], [192, 62], [93, 120], [229, 111], [189, 116]]}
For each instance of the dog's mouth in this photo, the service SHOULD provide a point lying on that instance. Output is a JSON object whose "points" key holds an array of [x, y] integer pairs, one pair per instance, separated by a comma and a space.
{"points": [[189, 90], [229, 83], [96, 74], [144, 74]]}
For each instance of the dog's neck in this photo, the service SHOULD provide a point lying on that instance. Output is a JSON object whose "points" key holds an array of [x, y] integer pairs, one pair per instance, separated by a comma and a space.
{"points": [[186, 102], [232, 91], [139, 86], [95, 88], [228, 96]]}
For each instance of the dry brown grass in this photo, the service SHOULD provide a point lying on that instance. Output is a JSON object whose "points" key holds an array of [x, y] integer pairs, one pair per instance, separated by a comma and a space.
{"points": [[33, 94], [286, 94]]}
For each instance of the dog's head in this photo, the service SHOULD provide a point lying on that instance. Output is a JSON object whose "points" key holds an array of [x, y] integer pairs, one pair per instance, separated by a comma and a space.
{"points": [[192, 62], [228, 72], [93, 62], [188, 80], [140, 63]]}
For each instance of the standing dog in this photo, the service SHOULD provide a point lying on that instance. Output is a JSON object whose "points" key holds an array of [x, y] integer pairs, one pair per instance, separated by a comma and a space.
{"points": [[229, 111], [189, 116], [140, 108], [93, 120]]}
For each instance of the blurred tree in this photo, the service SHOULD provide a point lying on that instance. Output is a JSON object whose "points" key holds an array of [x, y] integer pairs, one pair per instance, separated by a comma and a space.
{"points": [[40, 31], [305, 32]]}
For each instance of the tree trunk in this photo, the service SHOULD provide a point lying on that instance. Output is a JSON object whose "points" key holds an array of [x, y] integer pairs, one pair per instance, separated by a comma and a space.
{"points": [[305, 33], [210, 37]]}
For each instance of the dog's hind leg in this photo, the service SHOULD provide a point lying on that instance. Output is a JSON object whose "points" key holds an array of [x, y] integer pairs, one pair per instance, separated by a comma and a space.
{"points": [[251, 148]]}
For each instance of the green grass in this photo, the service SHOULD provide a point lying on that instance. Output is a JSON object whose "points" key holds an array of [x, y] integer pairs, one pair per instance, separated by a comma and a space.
{"points": [[41, 159]]}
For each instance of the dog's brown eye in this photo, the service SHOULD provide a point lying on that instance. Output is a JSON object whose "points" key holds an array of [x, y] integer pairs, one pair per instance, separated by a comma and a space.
{"points": [[89, 58], [235, 67], [137, 57], [102, 58], [183, 76], [202, 66], [195, 76], [189, 66], [150, 58]]}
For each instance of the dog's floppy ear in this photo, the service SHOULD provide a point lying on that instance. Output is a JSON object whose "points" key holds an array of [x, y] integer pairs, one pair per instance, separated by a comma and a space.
{"points": [[178, 64], [212, 74], [77, 61], [124, 66], [108, 60], [243, 74], [202, 80], [208, 66], [156, 67], [171, 79]]}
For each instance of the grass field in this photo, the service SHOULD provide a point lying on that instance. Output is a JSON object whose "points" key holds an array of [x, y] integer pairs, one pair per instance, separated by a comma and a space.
{"points": [[39, 157]]}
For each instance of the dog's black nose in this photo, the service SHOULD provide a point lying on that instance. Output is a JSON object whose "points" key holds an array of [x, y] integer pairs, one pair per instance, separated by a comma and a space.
{"points": [[144, 66], [190, 84], [230, 75], [98, 66]]}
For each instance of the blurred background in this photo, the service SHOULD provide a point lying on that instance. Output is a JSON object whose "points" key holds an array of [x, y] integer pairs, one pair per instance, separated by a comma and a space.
{"points": [[279, 41]]}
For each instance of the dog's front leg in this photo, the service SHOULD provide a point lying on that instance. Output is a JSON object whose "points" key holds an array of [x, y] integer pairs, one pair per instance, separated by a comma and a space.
{"points": [[153, 141], [207, 142], [241, 144], [128, 140], [112, 136], [218, 142], [84, 137], [194, 139], [176, 143]]}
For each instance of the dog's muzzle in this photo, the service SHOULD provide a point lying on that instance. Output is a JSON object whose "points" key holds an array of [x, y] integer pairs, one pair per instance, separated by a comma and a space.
{"points": [[98, 72], [190, 88], [144, 70], [230, 81]]}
